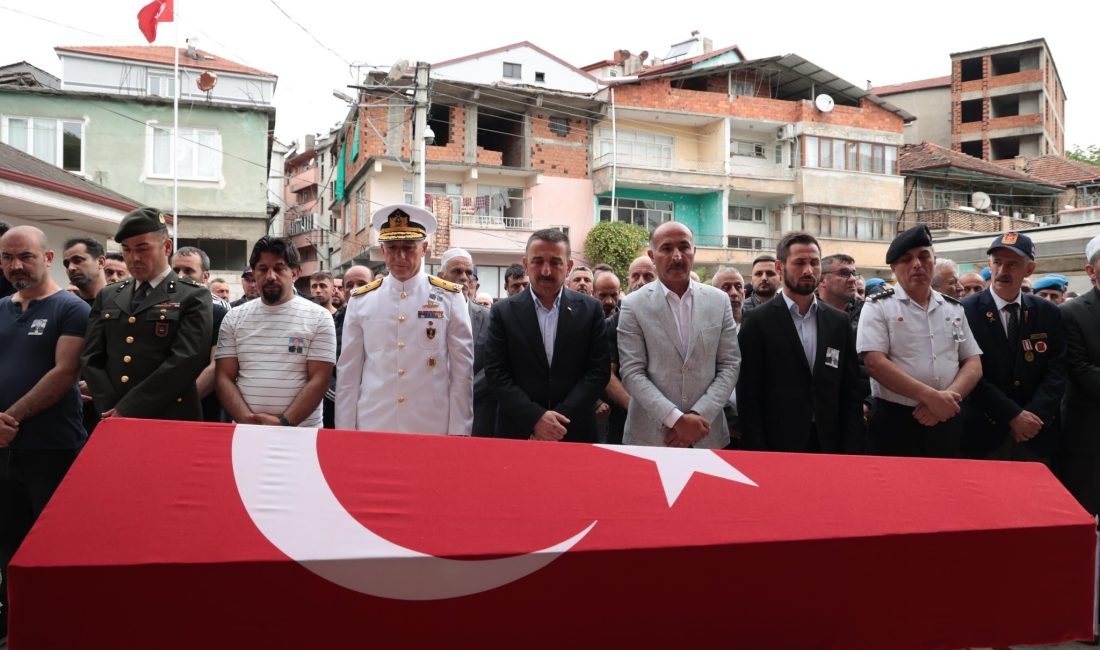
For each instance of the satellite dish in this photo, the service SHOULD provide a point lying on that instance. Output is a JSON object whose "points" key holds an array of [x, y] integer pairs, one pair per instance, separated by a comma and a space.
{"points": [[206, 81], [398, 70], [980, 201], [824, 103]]}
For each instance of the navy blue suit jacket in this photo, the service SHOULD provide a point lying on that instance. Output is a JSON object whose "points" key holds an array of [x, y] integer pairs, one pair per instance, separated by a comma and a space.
{"points": [[1010, 381]]}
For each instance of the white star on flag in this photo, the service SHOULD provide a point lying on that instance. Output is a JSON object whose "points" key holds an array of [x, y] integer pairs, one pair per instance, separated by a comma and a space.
{"points": [[676, 466]]}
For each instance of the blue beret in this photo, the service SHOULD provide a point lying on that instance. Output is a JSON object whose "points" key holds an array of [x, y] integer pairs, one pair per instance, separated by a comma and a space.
{"points": [[874, 282], [986, 274], [1053, 281]]}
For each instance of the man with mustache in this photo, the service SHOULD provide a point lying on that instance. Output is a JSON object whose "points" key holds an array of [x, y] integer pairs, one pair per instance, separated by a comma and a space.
{"points": [[814, 360], [921, 355], [546, 358], [1013, 412], [678, 348], [83, 261], [275, 355], [148, 337], [40, 420]]}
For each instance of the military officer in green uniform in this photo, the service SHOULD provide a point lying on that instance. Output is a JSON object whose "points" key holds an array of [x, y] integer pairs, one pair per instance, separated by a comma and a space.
{"points": [[148, 336]]}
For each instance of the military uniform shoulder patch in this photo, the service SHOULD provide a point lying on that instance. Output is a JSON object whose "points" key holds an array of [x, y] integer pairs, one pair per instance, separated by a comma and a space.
{"points": [[119, 285], [191, 282], [367, 288], [886, 293], [443, 284]]}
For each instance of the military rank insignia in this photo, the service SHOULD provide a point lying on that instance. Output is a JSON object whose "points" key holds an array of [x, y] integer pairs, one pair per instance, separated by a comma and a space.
{"points": [[430, 331]]}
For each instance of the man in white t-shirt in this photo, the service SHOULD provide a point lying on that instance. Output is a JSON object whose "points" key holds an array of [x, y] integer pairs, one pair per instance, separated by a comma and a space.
{"points": [[275, 355]]}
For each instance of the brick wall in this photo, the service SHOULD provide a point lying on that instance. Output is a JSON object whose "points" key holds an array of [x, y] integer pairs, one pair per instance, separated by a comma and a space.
{"points": [[658, 93], [441, 207], [568, 159], [455, 148]]}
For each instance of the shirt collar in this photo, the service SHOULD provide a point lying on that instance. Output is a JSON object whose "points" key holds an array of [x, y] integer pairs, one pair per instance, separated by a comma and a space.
{"points": [[538, 303], [155, 282], [899, 292], [667, 291], [792, 306], [997, 300]]}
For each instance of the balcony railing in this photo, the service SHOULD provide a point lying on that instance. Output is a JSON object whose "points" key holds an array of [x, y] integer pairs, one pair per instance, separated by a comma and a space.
{"points": [[967, 221], [661, 163], [301, 224], [302, 180], [495, 221]]}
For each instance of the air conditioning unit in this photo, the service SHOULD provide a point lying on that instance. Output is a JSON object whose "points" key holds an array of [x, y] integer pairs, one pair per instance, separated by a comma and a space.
{"points": [[785, 132]]}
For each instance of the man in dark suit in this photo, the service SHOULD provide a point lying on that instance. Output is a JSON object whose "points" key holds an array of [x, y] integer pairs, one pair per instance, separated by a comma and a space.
{"points": [[1013, 412], [149, 336], [1079, 454], [798, 388], [546, 358]]}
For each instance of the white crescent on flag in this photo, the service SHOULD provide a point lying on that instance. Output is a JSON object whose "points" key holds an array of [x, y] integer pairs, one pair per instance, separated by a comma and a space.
{"points": [[284, 490]]}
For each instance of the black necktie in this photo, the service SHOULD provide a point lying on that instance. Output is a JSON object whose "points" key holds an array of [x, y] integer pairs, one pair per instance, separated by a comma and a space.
{"points": [[140, 293], [1013, 321]]}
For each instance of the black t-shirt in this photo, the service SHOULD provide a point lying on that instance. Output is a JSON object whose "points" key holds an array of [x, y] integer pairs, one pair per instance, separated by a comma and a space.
{"points": [[211, 405], [30, 338]]}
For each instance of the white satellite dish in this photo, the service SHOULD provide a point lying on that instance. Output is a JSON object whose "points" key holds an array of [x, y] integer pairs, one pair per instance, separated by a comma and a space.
{"points": [[980, 201], [824, 103], [398, 70]]}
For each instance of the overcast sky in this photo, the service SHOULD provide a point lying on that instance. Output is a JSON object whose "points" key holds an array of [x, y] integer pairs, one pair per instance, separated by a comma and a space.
{"points": [[880, 41]]}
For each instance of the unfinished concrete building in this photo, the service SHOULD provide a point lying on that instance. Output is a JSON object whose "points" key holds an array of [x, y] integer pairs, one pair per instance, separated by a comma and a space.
{"points": [[1007, 102]]}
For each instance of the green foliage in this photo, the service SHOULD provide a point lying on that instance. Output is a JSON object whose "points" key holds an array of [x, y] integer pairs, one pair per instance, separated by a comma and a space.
{"points": [[616, 243], [1089, 154]]}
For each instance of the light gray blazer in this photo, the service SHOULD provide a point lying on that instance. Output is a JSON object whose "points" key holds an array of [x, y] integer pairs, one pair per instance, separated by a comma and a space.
{"points": [[659, 375]]}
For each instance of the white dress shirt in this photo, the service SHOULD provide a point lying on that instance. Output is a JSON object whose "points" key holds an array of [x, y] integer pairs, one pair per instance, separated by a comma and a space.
{"points": [[1003, 313], [548, 323], [806, 326], [681, 314]]}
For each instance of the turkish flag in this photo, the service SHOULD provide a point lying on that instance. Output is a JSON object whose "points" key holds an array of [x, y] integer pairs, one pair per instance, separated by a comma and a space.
{"points": [[157, 11], [183, 535]]}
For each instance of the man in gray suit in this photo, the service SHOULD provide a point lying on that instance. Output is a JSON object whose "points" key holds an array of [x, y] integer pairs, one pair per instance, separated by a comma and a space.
{"points": [[678, 351], [457, 265]]}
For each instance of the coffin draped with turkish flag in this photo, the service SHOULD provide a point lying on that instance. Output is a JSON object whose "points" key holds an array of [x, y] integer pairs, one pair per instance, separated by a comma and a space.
{"points": [[184, 535]]}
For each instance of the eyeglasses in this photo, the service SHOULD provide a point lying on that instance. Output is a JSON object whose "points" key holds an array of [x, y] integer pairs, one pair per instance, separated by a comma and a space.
{"points": [[844, 273]]}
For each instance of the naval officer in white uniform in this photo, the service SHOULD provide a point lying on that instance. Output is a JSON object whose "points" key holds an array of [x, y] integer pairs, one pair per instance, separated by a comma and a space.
{"points": [[408, 350]]}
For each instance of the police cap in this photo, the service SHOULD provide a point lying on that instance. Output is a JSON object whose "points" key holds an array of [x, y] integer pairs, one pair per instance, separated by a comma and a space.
{"points": [[916, 236]]}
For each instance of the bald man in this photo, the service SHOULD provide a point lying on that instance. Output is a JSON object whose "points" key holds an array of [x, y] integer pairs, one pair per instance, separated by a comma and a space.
{"points": [[641, 272], [41, 424]]}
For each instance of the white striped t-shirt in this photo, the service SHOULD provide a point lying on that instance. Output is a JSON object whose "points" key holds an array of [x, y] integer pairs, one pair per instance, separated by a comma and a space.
{"points": [[272, 344]]}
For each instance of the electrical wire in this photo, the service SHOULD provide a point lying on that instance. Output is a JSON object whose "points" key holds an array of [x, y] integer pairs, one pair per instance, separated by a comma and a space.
{"points": [[315, 39]]}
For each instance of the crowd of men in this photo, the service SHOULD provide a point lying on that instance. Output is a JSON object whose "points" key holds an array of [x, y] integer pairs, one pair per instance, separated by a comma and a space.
{"points": [[799, 355]]}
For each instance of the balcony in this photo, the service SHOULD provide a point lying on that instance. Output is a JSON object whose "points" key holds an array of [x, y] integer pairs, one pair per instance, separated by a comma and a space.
{"points": [[959, 220], [302, 180], [495, 221]]}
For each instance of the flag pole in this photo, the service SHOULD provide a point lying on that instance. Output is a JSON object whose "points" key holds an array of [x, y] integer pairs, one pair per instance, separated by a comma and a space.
{"points": [[176, 131]]}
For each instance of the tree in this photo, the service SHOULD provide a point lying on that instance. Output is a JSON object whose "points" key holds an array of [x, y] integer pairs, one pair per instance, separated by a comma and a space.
{"points": [[1089, 154], [616, 243]]}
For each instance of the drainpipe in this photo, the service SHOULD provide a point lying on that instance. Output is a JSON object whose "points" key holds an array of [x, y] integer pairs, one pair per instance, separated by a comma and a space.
{"points": [[614, 158]]}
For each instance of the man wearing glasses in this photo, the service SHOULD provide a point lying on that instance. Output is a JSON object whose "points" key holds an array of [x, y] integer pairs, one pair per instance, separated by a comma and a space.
{"points": [[839, 281]]}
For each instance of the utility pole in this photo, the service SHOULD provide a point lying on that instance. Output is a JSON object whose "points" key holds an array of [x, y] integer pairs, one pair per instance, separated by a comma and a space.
{"points": [[420, 122]]}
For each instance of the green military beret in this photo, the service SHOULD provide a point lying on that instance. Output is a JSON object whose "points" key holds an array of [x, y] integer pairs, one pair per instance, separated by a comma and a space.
{"points": [[139, 222]]}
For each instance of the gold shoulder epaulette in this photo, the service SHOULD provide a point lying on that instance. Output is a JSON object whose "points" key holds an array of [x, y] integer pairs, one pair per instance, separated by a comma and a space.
{"points": [[367, 288], [885, 293], [443, 284]]}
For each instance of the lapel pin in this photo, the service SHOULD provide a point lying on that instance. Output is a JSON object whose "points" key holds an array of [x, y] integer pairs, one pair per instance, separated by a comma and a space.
{"points": [[989, 315]]}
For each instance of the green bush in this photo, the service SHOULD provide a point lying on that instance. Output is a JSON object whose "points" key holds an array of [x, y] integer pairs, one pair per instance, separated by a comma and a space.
{"points": [[616, 243]]}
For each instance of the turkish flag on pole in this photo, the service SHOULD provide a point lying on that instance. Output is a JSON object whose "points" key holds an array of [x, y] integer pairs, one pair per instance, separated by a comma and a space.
{"points": [[157, 11]]}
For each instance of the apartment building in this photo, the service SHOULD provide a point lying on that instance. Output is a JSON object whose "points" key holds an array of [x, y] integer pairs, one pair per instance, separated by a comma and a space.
{"points": [[509, 155], [743, 151]]}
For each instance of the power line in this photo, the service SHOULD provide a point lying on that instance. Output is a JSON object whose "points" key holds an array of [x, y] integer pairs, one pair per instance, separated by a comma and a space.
{"points": [[52, 22], [315, 39]]}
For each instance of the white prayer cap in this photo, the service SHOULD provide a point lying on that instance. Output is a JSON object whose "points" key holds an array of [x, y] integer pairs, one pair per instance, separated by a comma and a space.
{"points": [[1092, 248], [452, 253]]}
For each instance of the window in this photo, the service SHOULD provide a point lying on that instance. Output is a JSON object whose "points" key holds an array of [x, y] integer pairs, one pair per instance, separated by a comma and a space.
{"points": [[842, 222], [513, 71], [559, 126], [638, 148], [198, 153], [747, 243], [360, 209], [58, 142], [746, 213], [161, 85], [224, 253], [540, 77], [641, 212], [501, 206], [451, 190], [750, 149], [833, 153]]}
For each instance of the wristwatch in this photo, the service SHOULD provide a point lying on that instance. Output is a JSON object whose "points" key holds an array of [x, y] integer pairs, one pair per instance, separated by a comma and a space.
{"points": [[285, 422]]}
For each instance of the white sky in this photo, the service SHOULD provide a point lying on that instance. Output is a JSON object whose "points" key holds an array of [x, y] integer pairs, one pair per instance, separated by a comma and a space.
{"points": [[881, 41]]}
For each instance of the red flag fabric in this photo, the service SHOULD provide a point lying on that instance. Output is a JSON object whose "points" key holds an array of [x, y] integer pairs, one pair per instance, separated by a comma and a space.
{"points": [[157, 11], [183, 535]]}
